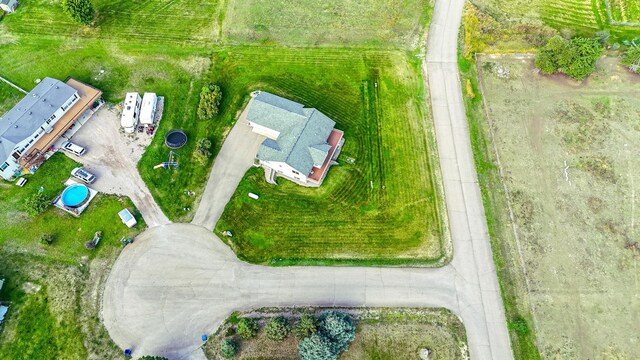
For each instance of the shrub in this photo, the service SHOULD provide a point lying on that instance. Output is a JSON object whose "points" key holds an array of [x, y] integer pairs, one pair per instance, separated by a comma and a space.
{"points": [[247, 328], [36, 204], [228, 348], [520, 326], [278, 328], [316, 347], [339, 328], [202, 153], [81, 11], [632, 59], [306, 327], [210, 97], [47, 239], [576, 57]]}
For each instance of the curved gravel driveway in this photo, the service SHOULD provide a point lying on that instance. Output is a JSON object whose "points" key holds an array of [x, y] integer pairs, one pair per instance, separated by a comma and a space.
{"points": [[179, 281]]}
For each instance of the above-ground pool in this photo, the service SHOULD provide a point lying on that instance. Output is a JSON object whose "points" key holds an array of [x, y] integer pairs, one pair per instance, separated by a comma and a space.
{"points": [[175, 139], [75, 195]]}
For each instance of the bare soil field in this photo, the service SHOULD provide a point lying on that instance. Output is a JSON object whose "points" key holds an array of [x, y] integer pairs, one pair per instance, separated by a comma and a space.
{"points": [[569, 155]]}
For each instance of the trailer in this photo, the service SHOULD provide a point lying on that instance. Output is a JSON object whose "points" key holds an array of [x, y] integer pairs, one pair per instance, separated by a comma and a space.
{"points": [[148, 109], [130, 112]]}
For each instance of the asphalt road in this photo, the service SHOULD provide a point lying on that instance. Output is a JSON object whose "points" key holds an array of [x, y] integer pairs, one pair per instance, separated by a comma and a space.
{"points": [[179, 281]]}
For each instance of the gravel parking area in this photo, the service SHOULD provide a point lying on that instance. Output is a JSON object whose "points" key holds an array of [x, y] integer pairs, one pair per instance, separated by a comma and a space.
{"points": [[112, 156]]}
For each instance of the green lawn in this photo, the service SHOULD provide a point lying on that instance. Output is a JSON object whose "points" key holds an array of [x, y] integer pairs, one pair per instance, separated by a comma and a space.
{"points": [[387, 24], [385, 208], [8, 97], [52, 322]]}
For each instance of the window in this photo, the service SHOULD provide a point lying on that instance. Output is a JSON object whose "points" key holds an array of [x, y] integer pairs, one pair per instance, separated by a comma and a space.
{"points": [[295, 172], [4, 166]]}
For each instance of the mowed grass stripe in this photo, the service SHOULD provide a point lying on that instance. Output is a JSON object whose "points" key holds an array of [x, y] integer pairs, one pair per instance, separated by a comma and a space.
{"points": [[345, 220]]}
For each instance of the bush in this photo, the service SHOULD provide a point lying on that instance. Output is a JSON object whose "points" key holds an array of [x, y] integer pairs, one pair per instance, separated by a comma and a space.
{"points": [[278, 328], [306, 327], [47, 239], [210, 97], [228, 348], [316, 347], [81, 11], [336, 330], [247, 328], [202, 153], [632, 59], [520, 326], [36, 204], [576, 57], [339, 328]]}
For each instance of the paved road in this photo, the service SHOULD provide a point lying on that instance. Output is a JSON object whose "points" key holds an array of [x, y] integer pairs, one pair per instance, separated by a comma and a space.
{"points": [[178, 281], [113, 160]]}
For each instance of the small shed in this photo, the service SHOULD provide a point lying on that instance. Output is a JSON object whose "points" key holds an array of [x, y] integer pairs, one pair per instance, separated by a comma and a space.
{"points": [[130, 112], [9, 6], [127, 218], [148, 109]]}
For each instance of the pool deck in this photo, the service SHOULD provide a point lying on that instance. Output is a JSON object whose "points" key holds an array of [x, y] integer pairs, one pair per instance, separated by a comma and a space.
{"points": [[57, 202]]}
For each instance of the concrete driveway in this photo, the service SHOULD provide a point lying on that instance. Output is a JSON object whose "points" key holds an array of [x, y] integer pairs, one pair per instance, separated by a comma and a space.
{"points": [[113, 158], [179, 281]]}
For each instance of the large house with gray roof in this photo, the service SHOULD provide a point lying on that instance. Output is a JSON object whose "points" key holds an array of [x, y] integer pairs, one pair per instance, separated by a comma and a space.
{"points": [[301, 143], [29, 130]]}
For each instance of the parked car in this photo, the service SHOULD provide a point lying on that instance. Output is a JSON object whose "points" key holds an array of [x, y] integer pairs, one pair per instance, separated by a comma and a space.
{"points": [[73, 148], [83, 175]]}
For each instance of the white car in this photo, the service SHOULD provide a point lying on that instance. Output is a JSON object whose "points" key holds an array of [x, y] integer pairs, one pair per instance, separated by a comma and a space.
{"points": [[84, 175], [73, 148]]}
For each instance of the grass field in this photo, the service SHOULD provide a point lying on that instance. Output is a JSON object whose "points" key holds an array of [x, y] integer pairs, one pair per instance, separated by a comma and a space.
{"points": [[381, 334], [392, 23], [53, 290], [624, 11], [568, 152], [382, 209]]}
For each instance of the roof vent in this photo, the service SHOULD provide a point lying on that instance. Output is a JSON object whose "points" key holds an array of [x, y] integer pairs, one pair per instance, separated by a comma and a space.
{"points": [[44, 100], [15, 126], [30, 113]]}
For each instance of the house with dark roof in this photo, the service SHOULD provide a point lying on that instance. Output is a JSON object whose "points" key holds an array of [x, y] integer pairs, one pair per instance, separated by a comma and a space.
{"points": [[29, 129], [301, 143], [9, 6]]}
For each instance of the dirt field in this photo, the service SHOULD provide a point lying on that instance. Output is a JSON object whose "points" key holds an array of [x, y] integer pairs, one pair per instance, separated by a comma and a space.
{"points": [[569, 152]]}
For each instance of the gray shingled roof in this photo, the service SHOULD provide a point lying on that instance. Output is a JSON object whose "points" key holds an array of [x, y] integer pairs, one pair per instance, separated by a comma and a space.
{"points": [[303, 132], [31, 112]]}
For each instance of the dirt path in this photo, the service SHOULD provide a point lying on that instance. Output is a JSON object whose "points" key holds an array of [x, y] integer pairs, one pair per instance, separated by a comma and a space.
{"points": [[112, 156]]}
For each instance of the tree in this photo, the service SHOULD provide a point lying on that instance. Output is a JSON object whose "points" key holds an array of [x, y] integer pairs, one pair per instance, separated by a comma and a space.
{"points": [[81, 11], [202, 153], [632, 58], [36, 204], [576, 57], [316, 347], [339, 328], [278, 328], [247, 328], [228, 348], [210, 97], [306, 327]]}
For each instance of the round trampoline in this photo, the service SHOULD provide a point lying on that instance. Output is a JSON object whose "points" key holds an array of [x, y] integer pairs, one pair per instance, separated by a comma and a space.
{"points": [[175, 139], [75, 195]]}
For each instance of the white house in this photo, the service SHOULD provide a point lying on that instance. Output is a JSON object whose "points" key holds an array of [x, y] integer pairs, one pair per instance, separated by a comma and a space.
{"points": [[301, 143], [30, 128], [9, 6], [148, 109], [130, 112]]}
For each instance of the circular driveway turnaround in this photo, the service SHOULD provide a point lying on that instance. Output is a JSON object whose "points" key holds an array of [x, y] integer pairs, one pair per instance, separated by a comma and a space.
{"points": [[179, 281]]}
